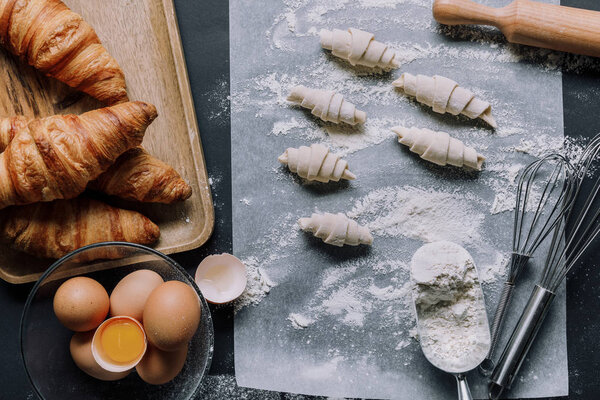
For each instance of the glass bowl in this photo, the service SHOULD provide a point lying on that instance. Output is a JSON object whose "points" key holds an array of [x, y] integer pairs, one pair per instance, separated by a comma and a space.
{"points": [[45, 341]]}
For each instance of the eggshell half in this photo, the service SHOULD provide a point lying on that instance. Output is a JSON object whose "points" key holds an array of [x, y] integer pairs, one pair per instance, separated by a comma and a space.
{"points": [[81, 351], [159, 367], [130, 295], [81, 304], [221, 278], [172, 315]]}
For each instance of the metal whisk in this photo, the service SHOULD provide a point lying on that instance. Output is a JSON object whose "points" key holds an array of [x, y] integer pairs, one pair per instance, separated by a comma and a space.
{"points": [[535, 218], [570, 239]]}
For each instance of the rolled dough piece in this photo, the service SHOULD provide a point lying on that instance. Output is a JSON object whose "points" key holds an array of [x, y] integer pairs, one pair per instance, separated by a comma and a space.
{"points": [[336, 229], [316, 163], [439, 147], [444, 95], [327, 105], [358, 48]]}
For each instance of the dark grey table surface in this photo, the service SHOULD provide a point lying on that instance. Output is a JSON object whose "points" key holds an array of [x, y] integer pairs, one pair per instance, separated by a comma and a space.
{"points": [[204, 29]]}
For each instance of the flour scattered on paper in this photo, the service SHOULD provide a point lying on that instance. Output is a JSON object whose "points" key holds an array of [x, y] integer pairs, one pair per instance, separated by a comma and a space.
{"points": [[299, 321], [350, 298], [426, 215], [258, 285], [326, 369], [497, 268], [345, 140]]}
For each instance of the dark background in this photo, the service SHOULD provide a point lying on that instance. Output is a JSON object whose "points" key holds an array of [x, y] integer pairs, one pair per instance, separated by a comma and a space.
{"points": [[204, 29]]}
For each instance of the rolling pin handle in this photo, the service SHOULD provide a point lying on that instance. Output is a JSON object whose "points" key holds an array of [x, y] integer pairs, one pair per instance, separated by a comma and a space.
{"points": [[464, 12]]}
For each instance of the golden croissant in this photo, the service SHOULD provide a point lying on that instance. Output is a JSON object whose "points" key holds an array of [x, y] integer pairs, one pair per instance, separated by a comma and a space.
{"points": [[58, 42], [55, 157], [51, 230], [136, 175]]}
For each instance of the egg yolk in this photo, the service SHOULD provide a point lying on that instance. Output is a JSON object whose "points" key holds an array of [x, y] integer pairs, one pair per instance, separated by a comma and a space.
{"points": [[122, 341]]}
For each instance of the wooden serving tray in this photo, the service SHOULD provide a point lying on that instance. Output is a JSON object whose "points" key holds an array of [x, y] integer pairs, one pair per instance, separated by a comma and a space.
{"points": [[143, 36]]}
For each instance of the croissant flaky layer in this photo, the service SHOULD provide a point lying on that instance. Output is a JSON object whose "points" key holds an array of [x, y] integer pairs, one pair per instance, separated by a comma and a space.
{"points": [[9, 128], [58, 42], [51, 230], [138, 176], [55, 157]]}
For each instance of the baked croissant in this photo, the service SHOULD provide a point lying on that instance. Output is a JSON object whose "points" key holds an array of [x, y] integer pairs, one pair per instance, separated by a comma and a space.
{"points": [[445, 96], [138, 176], [55, 157], [336, 229], [58, 42], [53, 229], [9, 128]]}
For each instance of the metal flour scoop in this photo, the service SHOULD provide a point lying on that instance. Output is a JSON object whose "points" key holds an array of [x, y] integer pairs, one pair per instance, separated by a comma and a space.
{"points": [[452, 322]]}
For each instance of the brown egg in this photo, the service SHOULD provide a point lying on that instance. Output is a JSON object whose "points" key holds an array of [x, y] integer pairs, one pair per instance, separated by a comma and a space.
{"points": [[81, 304], [130, 295], [171, 315], [81, 351], [159, 367]]}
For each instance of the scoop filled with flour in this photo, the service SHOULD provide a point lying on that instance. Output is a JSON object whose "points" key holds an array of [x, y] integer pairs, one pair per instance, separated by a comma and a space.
{"points": [[451, 319]]}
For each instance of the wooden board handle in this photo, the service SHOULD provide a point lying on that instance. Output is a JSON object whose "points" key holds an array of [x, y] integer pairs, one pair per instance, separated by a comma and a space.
{"points": [[528, 22]]}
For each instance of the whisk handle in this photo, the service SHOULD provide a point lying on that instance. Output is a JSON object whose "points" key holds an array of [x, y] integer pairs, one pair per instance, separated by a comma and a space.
{"points": [[487, 366], [464, 393], [520, 341]]}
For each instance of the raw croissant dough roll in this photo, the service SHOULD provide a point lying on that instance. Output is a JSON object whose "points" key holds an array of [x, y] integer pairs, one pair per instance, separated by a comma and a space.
{"points": [[439, 147], [444, 95], [316, 163], [358, 47], [336, 229], [327, 105]]}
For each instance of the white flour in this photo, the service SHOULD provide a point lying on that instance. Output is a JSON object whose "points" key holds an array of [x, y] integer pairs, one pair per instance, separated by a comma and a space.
{"points": [[258, 286], [452, 322], [351, 298], [299, 321], [426, 215], [343, 139], [498, 268]]}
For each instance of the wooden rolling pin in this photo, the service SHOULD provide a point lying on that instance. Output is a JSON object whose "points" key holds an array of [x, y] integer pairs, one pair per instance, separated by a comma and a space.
{"points": [[573, 30]]}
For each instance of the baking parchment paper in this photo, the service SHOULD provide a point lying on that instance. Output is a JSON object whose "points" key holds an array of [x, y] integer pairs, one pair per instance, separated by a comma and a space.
{"points": [[353, 336]]}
